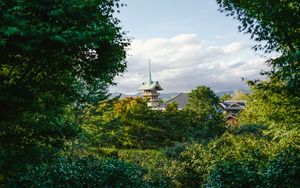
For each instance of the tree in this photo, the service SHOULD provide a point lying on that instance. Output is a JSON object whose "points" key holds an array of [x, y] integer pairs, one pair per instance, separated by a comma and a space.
{"points": [[172, 107], [202, 107], [276, 25], [87, 95], [225, 97], [82, 172], [130, 123], [52, 54], [100, 127], [239, 95], [278, 110]]}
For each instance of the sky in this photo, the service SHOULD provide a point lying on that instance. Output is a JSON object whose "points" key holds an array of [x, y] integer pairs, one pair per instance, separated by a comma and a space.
{"points": [[190, 43]]}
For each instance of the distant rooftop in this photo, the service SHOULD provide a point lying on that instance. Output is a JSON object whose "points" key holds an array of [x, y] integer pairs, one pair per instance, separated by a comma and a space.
{"points": [[181, 100], [150, 86], [233, 105]]}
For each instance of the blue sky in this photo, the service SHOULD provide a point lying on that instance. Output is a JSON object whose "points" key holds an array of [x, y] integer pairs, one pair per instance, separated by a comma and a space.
{"points": [[189, 42], [168, 18]]}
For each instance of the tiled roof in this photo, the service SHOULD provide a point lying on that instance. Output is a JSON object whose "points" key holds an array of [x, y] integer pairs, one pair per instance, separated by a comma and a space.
{"points": [[150, 86], [181, 100], [233, 105]]}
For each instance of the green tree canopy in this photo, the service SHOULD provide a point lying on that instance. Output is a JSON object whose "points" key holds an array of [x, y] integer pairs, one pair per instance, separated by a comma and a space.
{"points": [[130, 123], [278, 110], [225, 97], [53, 54], [275, 24], [239, 95], [203, 109]]}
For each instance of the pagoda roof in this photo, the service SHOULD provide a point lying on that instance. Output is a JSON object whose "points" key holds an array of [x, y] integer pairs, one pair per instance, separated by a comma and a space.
{"points": [[150, 86], [233, 105]]}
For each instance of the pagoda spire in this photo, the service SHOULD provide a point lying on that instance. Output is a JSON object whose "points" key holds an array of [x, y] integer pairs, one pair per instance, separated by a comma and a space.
{"points": [[150, 90], [150, 79]]}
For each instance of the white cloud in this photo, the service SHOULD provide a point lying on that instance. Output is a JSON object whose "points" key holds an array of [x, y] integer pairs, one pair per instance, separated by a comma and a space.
{"points": [[183, 62], [234, 47], [218, 37]]}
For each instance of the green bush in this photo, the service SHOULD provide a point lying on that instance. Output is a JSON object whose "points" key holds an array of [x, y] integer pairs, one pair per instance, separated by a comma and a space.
{"points": [[251, 129], [234, 174], [283, 170], [130, 124], [191, 166], [154, 163], [82, 172], [175, 151]]}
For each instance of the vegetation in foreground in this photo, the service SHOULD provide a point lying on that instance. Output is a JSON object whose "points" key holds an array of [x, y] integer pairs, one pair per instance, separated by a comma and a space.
{"points": [[58, 131]]}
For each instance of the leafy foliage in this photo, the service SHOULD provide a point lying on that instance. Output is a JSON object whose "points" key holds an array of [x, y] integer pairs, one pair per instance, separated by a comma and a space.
{"points": [[191, 167], [57, 60], [276, 109], [262, 21], [283, 170], [154, 162], [238, 161], [239, 95], [273, 104], [275, 24], [130, 123], [202, 107], [53, 54], [225, 97], [234, 174], [82, 172]]}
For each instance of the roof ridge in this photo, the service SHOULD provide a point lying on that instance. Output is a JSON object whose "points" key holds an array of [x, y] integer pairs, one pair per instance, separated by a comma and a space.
{"points": [[173, 97]]}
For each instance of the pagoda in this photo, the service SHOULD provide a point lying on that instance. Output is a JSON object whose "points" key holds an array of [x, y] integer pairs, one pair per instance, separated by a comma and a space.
{"points": [[150, 90]]}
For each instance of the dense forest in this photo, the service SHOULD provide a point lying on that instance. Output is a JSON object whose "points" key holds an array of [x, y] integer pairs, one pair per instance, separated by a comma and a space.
{"points": [[59, 128]]}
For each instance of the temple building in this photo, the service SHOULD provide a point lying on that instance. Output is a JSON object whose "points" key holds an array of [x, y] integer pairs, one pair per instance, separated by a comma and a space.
{"points": [[231, 109], [150, 89], [181, 101]]}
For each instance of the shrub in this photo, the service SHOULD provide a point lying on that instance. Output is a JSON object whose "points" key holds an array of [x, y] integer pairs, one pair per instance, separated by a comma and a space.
{"points": [[82, 172], [154, 162], [283, 170], [175, 151], [234, 174], [251, 129], [191, 167]]}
